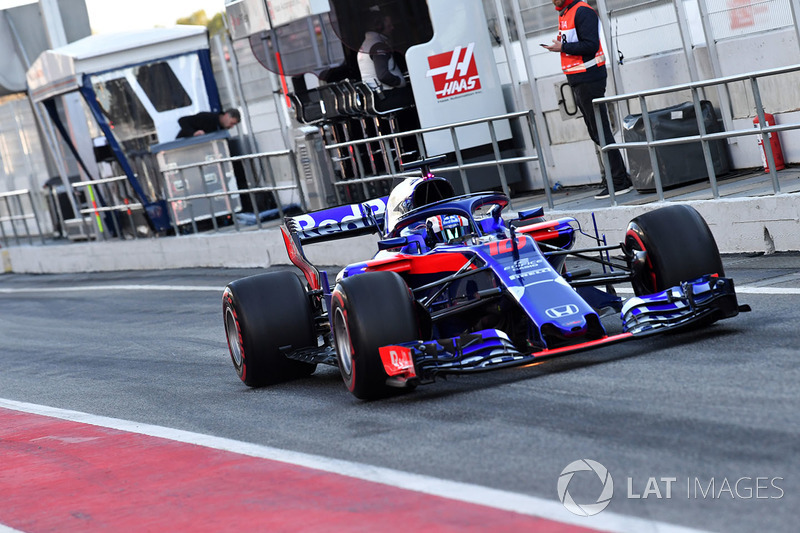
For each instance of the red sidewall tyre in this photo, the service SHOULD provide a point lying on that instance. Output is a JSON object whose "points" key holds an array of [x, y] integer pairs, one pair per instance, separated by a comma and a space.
{"points": [[679, 246], [369, 311], [262, 314]]}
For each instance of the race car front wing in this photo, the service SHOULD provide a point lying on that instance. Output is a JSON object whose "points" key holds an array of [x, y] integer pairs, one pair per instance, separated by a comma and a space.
{"points": [[708, 298]]}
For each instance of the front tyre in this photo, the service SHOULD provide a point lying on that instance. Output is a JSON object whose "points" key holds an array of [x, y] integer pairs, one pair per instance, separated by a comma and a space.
{"points": [[679, 247], [369, 311], [263, 313]]}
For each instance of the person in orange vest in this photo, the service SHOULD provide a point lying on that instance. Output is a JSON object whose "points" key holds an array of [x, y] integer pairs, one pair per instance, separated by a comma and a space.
{"points": [[583, 61]]}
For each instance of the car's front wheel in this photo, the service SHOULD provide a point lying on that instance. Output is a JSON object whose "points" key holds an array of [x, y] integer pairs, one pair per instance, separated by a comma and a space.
{"points": [[369, 311], [678, 247]]}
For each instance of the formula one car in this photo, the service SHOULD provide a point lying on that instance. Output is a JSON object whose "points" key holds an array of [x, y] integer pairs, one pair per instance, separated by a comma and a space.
{"points": [[456, 289]]}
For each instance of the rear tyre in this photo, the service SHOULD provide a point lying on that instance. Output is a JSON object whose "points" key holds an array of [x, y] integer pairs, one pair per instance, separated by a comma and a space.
{"points": [[369, 311], [679, 247], [262, 314]]}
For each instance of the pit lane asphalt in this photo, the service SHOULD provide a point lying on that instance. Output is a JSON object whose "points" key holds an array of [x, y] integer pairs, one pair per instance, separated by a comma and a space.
{"points": [[717, 404]]}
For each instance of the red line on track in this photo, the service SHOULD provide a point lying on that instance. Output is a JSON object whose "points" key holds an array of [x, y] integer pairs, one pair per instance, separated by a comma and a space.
{"points": [[58, 475]]}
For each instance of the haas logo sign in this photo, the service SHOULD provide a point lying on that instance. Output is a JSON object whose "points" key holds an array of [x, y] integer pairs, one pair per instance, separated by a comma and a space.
{"points": [[454, 72]]}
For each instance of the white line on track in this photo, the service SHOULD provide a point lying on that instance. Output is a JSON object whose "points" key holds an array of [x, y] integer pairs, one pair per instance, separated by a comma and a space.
{"points": [[766, 290], [475, 494], [92, 288], [745, 289]]}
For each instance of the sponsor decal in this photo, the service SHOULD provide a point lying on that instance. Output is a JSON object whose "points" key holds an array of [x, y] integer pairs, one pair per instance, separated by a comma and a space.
{"points": [[526, 268], [454, 73], [337, 219], [397, 361], [506, 246], [450, 221], [523, 264], [561, 311]]}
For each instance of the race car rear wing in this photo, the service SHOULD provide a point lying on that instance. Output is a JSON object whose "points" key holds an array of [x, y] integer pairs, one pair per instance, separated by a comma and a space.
{"points": [[326, 225], [339, 222]]}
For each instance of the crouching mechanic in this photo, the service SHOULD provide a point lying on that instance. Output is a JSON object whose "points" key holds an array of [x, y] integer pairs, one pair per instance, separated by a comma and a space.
{"points": [[207, 122]]}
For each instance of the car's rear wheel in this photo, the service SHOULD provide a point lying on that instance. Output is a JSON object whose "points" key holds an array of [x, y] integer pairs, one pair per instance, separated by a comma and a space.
{"points": [[369, 311], [679, 247], [262, 314]]}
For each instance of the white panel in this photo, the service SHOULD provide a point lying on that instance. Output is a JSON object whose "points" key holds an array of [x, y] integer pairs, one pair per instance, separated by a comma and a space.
{"points": [[732, 18], [284, 11], [646, 32], [454, 76], [98, 53], [246, 17]]}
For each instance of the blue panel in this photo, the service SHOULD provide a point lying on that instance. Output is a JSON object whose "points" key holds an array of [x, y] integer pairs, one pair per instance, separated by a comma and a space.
{"points": [[208, 78], [155, 209], [50, 106], [530, 279]]}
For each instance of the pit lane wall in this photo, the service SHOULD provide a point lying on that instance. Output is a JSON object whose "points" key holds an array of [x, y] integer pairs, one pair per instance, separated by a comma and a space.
{"points": [[765, 224]]}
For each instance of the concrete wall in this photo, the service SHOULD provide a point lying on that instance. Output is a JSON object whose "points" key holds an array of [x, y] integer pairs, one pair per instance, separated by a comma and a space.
{"points": [[766, 224]]}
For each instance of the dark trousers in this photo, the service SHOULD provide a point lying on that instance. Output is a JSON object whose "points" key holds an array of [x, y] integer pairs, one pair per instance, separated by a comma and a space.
{"points": [[584, 94]]}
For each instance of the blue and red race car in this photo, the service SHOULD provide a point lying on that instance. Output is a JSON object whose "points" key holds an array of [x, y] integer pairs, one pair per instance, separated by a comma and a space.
{"points": [[455, 289]]}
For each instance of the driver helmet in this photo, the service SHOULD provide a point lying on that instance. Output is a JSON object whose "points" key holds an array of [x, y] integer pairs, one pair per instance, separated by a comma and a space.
{"points": [[448, 228], [413, 193]]}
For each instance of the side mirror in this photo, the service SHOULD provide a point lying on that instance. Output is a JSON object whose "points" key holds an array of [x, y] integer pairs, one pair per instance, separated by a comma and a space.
{"points": [[531, 213], [390, 244]]}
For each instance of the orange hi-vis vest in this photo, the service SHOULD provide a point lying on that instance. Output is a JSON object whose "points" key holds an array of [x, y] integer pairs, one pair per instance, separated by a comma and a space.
{"points": [[566, 34]]}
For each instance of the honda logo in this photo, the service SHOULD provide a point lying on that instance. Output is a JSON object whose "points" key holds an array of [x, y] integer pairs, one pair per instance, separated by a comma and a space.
{"points": [[562, 310], [454, 72]]}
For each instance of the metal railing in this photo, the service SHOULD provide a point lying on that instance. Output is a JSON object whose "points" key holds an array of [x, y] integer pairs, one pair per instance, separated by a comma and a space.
{"points": [[187, 211], [389, 144], [113, 195], [17, 209], [229, 196], [703, 136], [20, 221], [94, 211]]}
